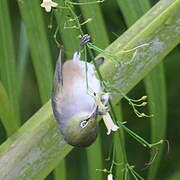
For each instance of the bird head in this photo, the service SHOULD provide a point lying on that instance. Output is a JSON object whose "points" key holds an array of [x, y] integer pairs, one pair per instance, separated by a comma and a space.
{"points": [[81, 130]]}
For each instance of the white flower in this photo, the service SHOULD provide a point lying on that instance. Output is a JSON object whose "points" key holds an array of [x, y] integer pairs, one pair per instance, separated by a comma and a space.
{"points": [[109, 123], [47, 4], [106, 117], [110, 177]]}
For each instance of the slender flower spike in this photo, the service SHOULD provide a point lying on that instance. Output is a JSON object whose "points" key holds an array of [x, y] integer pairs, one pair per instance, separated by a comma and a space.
{"points": [[110, 177], [48, 4], [109, 124]]}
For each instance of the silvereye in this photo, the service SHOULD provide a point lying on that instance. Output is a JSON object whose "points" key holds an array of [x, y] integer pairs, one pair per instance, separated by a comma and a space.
{"points": [[73, 100]]}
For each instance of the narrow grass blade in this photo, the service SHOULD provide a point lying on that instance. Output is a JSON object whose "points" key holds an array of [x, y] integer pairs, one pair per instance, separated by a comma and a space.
{"points": [[8, 72], [60, 171], [94, 157], [154, 82], [155, 87], [40, 138], [133, 11], [39, 46], [120, 151], [96, 26], [7, 114], [22, 57]]}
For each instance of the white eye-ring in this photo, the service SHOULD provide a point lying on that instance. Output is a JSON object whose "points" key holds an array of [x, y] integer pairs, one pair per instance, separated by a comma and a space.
{"points": [[83, 123]]}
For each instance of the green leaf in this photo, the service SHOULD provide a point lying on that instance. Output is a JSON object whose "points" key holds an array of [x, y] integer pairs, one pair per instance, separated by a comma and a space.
{"points": [[96, 26], [67, 34], [120, 151], [95, 163], [41, 148], [60, 171], [22, 57], [133, 11], [155, 29], [7, 114], [155, 87], [8, 72]]}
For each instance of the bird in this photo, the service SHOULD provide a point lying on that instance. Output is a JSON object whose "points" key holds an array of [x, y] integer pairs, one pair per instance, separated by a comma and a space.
{"points": [[75, 90]]}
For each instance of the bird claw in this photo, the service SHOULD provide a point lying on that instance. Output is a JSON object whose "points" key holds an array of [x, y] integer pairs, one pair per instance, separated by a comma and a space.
{"points": [[85, 39]]}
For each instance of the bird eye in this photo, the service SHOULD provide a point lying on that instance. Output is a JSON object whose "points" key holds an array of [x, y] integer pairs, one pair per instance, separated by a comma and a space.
{"points": [[83, 123]]}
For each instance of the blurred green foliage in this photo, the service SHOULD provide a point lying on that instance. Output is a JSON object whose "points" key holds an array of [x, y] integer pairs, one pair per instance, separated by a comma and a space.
{"points": [[33, 92]]}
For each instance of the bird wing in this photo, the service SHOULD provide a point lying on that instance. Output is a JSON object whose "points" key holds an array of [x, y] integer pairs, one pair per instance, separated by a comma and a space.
{"points": [[58, 79]]}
